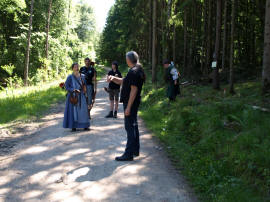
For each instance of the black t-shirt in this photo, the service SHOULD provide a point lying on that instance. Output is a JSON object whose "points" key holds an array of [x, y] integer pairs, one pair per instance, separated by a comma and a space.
{"points": [[89, 73], [116, 73], [135, 77]]}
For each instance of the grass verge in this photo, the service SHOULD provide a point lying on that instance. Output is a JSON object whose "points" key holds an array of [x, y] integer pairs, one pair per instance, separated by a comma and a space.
{"points": [[221, 144]]}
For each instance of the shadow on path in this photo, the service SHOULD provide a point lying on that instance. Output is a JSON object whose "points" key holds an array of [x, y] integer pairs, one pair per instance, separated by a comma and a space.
{"points": [[54, 164]]}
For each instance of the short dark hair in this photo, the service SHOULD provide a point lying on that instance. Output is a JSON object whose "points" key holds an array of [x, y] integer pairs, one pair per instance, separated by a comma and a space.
{"points": [[73, 65], [92, 63], [115, 63], [87, 59], [166, 62]]}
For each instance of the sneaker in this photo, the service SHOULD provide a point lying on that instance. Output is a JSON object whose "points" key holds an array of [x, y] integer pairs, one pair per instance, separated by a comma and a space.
{"points": [[110, 115]]}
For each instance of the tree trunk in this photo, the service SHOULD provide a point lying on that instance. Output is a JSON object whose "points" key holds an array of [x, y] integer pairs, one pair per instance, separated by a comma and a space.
{"points": [[224, 48], [174, 35], [174, 42], [203, 57], [69, 4], [150, 33], [209, 39], [167, 30], [26, 67], [169, 8], [154, 37], [232, 48], [266, 56], [48, 29], [217, 45], [192, 41], [185, 40]]}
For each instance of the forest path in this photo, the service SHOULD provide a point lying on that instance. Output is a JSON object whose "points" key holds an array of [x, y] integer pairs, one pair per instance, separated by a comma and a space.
{"points": [[54, 164]]}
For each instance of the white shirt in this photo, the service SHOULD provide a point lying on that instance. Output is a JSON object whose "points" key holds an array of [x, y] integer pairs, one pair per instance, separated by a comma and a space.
{"points": [[174, 73]]}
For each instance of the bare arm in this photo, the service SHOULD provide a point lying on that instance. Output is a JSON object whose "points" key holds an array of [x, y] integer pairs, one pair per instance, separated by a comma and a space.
{"points": [[132, 96], [116, 80], [95, 82]]}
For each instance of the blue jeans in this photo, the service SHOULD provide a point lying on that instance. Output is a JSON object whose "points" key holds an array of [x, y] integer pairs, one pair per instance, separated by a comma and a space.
{"points": [[133, 136], [89, 92]]}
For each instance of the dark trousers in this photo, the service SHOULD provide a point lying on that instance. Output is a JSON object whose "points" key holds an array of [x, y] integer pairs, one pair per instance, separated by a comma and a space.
{"points": [[133, 136]]}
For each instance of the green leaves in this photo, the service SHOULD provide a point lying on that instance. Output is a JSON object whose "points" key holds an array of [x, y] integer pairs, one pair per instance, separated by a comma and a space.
{"points": [[8, 69], [11, 6]]}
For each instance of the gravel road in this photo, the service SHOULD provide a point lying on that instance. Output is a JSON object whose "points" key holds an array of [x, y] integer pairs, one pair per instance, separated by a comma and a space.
{"points": [[54, 164]]}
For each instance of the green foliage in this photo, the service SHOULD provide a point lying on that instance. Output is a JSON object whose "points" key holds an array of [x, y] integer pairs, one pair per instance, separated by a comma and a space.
{"points": [[8, 69], [126, 28], [129, 27], [72, 37], [219, 141], [86, 27], [29, 105]]}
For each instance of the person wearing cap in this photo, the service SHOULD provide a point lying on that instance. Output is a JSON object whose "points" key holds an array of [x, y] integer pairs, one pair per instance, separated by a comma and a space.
{"points": [[113, 90], [172, 79], [90, 75]]}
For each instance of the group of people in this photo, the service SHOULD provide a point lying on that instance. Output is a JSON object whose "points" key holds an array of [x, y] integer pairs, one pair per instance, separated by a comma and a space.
{"points": [[81, 86]]}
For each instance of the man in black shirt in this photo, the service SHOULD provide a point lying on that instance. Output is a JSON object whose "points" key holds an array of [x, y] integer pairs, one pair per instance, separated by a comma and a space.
{"points": [[114, 90], [131, 97], [91, 82]]}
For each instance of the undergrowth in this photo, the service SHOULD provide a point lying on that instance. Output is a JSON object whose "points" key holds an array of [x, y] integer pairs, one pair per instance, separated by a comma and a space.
{"points": [[220, 142]]}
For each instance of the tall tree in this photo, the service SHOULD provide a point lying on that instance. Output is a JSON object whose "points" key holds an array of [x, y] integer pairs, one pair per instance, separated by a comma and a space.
{"points": [[217, 45], [185, 41], [48, 29], [232, 47], [266, 56], [209, 34], [26, 68], [224, 47], [154, 41], [150, 32], [68, 20]]}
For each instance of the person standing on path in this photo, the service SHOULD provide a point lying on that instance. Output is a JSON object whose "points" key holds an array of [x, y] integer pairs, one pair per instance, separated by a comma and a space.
{"points": [[131, 98], [113, 90], [76, 114], [172, 79], [91, 82]]}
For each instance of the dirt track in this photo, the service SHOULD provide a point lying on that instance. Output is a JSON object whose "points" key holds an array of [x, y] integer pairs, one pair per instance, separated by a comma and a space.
{"points": [[53, 164]]}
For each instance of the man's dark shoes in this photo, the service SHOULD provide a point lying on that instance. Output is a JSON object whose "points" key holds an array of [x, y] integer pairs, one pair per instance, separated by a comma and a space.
{"points": [[73, 130], [136, 154], [124, 158], [87, 129], [110, 115], [115, 114]]}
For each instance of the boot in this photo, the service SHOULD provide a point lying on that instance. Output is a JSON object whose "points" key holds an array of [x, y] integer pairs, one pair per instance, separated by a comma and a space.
{"points": [[115, 115], [110, 115]]}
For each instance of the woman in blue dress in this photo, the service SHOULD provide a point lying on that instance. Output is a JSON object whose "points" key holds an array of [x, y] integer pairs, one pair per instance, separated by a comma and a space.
{"points": [[76, 115]]}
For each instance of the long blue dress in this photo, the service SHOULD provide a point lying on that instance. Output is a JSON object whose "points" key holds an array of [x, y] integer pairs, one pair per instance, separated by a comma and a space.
{"points": [[76, 116]]}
